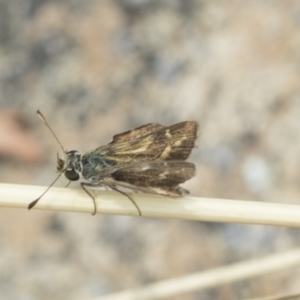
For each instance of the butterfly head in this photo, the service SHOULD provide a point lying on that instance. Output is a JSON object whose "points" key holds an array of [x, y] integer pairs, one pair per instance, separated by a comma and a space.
{"points": [[71, 166]]}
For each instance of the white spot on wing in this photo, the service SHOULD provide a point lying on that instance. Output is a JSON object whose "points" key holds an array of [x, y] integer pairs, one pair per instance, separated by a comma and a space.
{"points": [[178, 143], [163, 175], [168, 134], [138, 150], [144, 168]]}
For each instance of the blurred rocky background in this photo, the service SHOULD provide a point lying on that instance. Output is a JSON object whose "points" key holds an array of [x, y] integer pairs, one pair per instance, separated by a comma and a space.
{"points": [[97, 68]]}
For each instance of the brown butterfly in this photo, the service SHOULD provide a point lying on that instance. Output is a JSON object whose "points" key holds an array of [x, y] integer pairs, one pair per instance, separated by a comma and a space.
{"points": [[149, 159]]}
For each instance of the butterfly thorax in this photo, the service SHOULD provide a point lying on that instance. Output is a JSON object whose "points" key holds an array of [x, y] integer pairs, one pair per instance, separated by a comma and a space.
{"points": [[93, 164], [71, 166]]}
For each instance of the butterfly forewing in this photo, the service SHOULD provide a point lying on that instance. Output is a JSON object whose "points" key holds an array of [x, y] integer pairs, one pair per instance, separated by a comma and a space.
{"points": [[153, 141], [136, 133], [180, 141]]}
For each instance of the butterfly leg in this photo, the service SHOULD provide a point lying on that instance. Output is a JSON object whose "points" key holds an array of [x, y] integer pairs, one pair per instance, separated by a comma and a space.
{"points": [[68, 184], [117, 190], [86, 184]]}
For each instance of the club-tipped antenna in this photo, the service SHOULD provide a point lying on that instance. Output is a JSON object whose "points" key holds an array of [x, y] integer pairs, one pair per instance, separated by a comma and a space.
{"points": [[41, 116], [33, 203]]}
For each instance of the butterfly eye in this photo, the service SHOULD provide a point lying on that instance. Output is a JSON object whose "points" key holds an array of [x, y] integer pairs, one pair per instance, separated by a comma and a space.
{"points": [[72, 175]]}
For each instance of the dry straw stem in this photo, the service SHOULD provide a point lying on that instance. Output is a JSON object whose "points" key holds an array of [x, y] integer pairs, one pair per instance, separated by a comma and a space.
{"points": [[282, 297], [186, 208], [209, 279]]}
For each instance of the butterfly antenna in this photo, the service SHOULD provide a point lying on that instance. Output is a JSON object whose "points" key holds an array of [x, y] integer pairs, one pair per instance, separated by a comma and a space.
{"points": [[33, 203], [41, 116]]}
